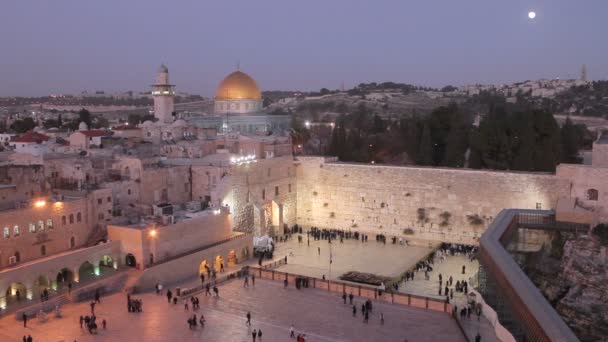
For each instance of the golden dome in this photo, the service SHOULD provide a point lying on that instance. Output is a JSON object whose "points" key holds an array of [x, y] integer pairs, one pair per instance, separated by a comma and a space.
{"points": [[238, 86]]}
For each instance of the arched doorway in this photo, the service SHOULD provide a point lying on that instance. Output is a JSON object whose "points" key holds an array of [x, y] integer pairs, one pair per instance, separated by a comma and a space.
{"points": [[106, 264], [245, 253], [232, 258], [219, 260], [64, 277], [86, 272], [15, 292], [202, 268], [130, 260]]}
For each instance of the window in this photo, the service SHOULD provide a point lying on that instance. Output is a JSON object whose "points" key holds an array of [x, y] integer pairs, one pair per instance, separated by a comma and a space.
{"points": [[6, 232], [16, 231], [43, 250], [41, 225], [109, 199], [593, 195], [49, 224], [276, 191], [71, 218], [128, 191], [72, 242], [78, 217], [99, 201], [32, 227], [63, 220], [263, 194], [289, 187], [538, 206], [100, 216]]}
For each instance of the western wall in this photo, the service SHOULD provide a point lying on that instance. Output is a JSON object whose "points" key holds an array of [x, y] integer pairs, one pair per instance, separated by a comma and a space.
{"points": [[416, 203]]}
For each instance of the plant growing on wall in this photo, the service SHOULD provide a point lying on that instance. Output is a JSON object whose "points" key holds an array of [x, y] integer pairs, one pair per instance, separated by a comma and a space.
{"points": [[325, 204], [445, 218], [332, 214], [408, 231], [422, 217], [314, 193], [475, 219]]}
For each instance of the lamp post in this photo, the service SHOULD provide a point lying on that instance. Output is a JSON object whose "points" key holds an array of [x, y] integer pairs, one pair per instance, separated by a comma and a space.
{"points": [[153, 233]]}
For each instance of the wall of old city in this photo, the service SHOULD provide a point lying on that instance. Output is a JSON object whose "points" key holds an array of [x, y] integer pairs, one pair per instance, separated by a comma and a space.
{"points": [[261, 194], [585, 180], [435, 203]]}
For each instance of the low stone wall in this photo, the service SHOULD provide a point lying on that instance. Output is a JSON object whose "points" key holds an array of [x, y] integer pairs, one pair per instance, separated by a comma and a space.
{"points": [[187, 267]]}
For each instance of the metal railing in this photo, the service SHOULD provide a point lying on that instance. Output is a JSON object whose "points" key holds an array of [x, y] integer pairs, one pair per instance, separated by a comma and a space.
{"points": [[538, 319]]}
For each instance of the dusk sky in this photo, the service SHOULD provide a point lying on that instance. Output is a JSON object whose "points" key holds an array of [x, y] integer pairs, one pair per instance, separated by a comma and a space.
{"points": [[62, 46]]}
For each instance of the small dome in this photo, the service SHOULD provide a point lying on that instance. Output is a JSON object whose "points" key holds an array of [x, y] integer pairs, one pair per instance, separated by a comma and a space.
{"points": [[238, 86], [179, 123], [163, 69], [83, 126]]}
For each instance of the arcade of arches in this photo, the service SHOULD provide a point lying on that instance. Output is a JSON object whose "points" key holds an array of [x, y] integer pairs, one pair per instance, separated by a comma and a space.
{"points": [[21, 284]]}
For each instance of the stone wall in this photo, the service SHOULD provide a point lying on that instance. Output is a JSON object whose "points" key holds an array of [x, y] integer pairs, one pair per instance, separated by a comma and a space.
{"points": [[443, 204], [261, 195], [584, 179]]}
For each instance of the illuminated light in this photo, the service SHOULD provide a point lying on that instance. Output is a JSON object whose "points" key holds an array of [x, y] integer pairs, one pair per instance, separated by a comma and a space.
{"points": [[153, 233], [307, 124], [40, 204], [58, 204], [373, 162], [216, 211], [531, 14]]}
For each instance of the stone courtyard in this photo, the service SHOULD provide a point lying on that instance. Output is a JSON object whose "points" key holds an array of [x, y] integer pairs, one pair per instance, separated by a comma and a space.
{"points": [[351, 255], [318, 314]]}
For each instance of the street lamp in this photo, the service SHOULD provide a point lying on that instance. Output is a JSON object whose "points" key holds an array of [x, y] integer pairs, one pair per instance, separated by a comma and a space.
{"points": [[40, 203]]}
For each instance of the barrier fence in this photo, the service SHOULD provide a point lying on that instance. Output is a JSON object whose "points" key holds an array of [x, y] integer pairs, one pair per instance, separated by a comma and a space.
{"points": [[363, 291]]}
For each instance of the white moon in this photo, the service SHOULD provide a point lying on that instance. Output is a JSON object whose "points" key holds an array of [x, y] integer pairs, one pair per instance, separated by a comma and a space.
{"points": [[531, 15]]}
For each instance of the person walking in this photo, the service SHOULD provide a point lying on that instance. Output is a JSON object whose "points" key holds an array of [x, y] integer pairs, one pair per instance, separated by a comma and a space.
{"points": [[344, 298], [29, 338], [254, 334], [381, 318], [104, 324], [81, 321], [259, 334], [319, 250], [354, 311], [24, 317], [169, 295], [253, 281], [246, 282], [248, 318], [350, 298], [292, 333], [97, 296], [477, 338]]}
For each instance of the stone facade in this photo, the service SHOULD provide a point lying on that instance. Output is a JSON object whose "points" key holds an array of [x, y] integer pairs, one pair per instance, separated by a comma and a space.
{"points": [[452, 205]]}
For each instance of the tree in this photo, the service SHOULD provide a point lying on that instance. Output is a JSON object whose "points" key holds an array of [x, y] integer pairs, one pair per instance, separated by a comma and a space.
{"points": [[571, 141], [85, 116], [22, 126], [425, 151]]}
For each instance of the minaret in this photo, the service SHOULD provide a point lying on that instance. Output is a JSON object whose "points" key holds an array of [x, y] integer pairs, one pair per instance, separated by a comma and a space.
{"points": [[163, 94], [584, 73]]}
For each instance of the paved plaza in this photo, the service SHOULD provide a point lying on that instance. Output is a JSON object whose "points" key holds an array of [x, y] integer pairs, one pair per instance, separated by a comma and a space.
{"points": [[320, 315], [351, 255]]}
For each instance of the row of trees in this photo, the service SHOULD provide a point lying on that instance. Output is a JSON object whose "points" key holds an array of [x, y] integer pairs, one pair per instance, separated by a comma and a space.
{"points": [[28, 123], [508, 138]]}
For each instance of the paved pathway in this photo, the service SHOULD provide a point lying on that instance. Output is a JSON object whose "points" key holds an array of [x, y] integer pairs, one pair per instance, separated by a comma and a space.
{"points": [[319, 314], [352, 255], [452, 266]]}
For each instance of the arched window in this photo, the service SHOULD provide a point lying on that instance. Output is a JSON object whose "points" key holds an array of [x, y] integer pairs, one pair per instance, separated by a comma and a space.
{"points": [[6, 232], [43, 250], [41, 225], [49, 224], [72, 242], [16, 231], [592, 194], [71, 218], [78, 217]]}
